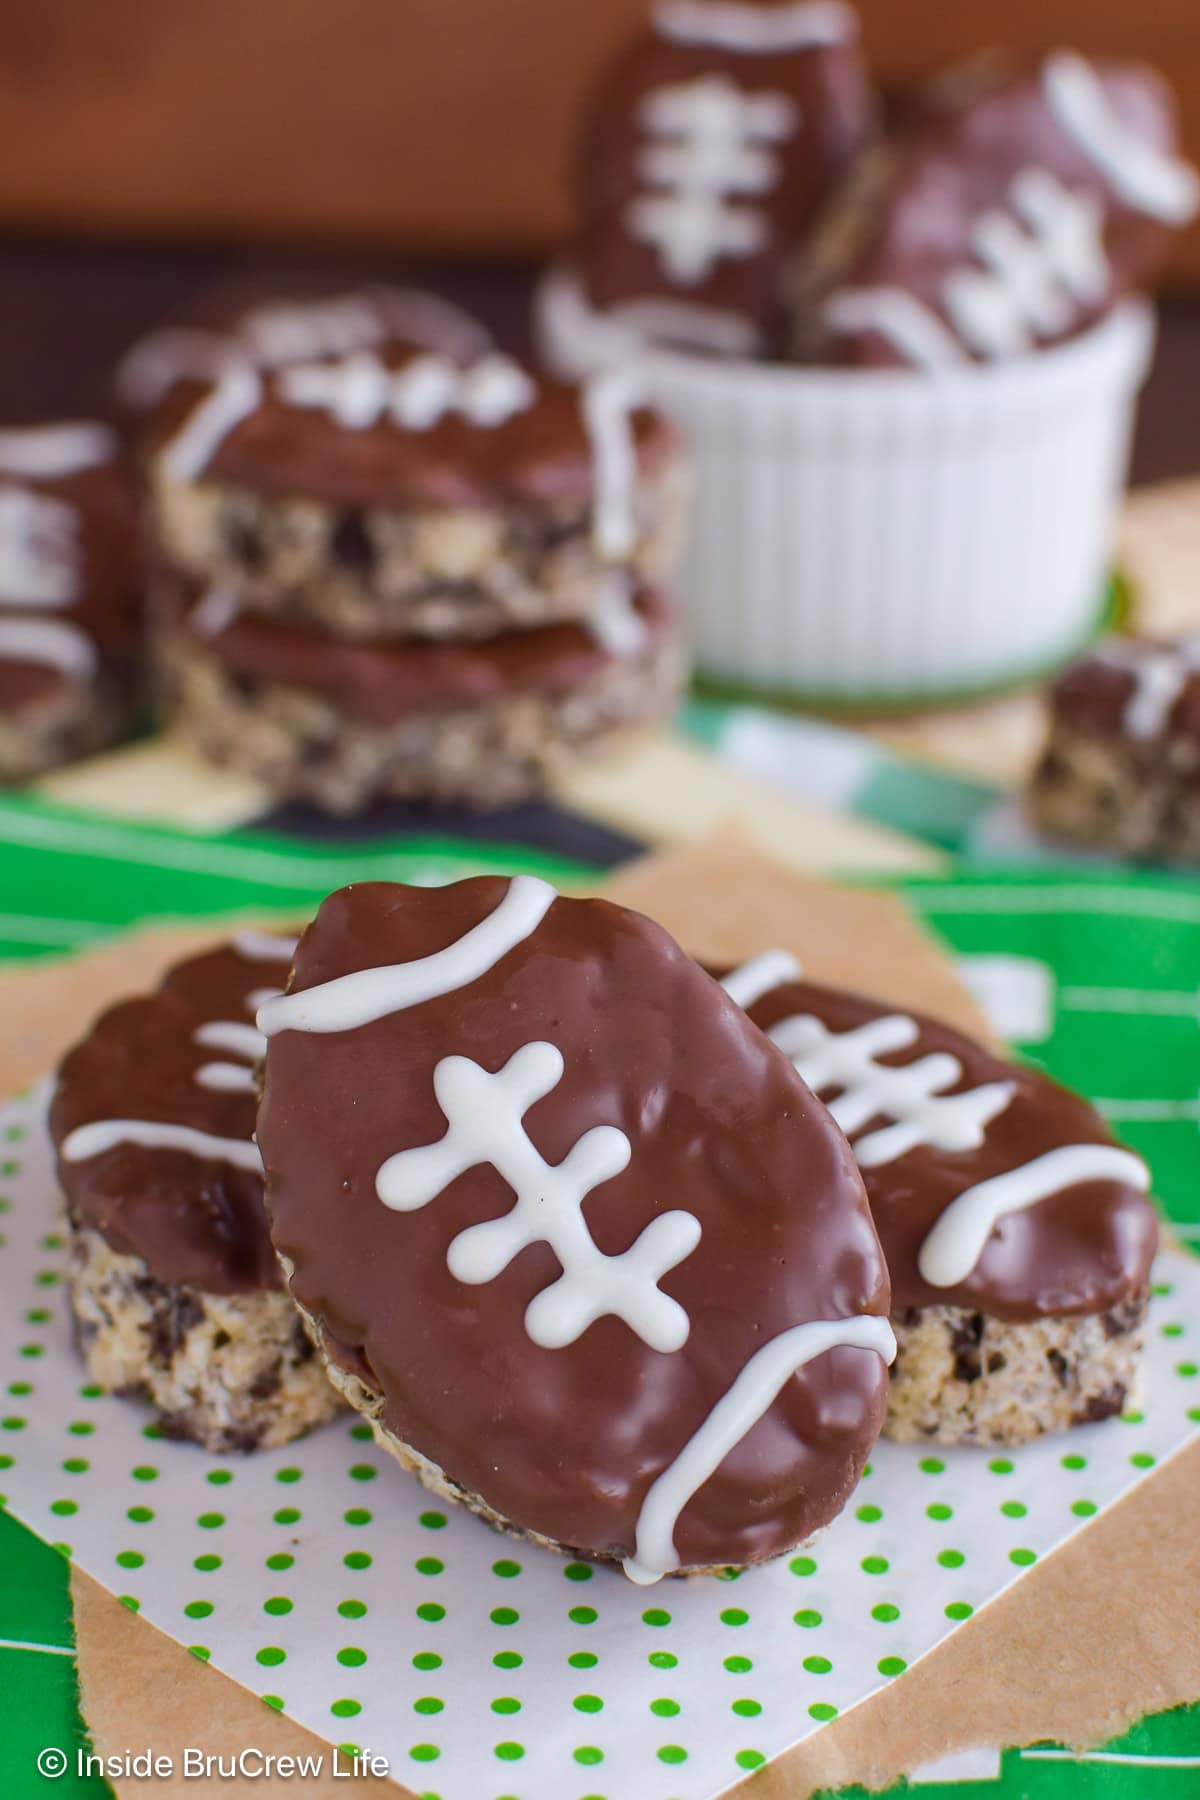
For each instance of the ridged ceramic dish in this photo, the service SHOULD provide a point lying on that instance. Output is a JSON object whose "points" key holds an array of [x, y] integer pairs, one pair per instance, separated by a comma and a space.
{"points": [[865, 537]]}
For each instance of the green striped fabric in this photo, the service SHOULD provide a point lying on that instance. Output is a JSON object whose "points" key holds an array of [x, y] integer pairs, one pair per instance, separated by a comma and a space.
{"points": [[1097, 975]]}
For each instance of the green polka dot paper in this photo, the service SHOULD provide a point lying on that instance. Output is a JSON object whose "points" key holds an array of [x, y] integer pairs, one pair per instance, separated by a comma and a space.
{"points": [[331, 1584]]}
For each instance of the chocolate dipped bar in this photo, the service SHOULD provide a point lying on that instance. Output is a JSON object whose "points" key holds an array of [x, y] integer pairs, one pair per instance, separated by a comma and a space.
{"points": [[1018, 1235], [568, 1229]]}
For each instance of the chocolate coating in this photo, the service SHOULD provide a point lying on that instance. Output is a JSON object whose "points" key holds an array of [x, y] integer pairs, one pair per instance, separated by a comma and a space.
{"points": [[195, 1222], [1097, 695], [539, 455], [101, 555], [567, 1441], [387, 682], [825, 85], [956, 161], [1083, 1250]]}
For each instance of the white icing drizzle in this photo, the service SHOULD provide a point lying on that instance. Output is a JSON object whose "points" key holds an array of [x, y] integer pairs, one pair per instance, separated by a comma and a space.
{"points": [[236, 395], [957, 1241], [226, 1034], [226, 1078], [152, 366], [351, 1001], [238, 1039], [1040, 266], [485, 1115], [39, 563], [758, 1385], [214, 612], [709, 142], [578, 339], [757, 977], [52, 642], [608, 401], [41, 452], [755, 30], [106, 1134], [1160, 674], [360, 391], [614, 620], [264, 946], [259, 996], [39, 553], [278, 332], [911, 327], [1043, 260], [297, 331], [1143, 177], [913, 1096]]}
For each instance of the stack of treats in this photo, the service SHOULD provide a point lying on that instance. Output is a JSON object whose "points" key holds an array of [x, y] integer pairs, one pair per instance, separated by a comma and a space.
{"points": [[395, 563]]}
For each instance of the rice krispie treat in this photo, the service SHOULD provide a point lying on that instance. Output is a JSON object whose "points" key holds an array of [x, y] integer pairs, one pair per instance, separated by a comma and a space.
{"points": [[175, 1289], [708, 153], [338, 724], [70, 595], [569, 1231], [1017, 1233], [394, 491], [1121, 764], [1016, 209]]}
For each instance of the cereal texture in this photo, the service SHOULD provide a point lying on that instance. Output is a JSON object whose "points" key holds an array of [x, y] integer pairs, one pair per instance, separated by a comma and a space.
{"points": [[1103, 790], [230, 1371], [71, 720], [460, 572], [304, 747], [961, 1377]]}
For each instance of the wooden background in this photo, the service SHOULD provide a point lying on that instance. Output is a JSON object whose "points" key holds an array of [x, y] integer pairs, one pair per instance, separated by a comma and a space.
{"points": [[436, 125]]}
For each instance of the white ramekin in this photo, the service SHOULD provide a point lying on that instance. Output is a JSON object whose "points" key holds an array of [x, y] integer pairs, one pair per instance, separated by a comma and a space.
{"points": [[882, 536]]}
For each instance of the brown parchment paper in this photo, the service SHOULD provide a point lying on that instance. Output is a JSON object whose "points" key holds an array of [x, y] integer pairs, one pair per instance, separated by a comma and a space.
{"points": [[1090, 1639]]}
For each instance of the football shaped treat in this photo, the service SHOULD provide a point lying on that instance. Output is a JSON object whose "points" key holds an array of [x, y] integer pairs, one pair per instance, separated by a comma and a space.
{"points": [[391, 491], [1017, 1233], [569, 1230], [1122, 753], [176, 1291], [70, 595], [478, 722], [711, 150], [1015, 212]]}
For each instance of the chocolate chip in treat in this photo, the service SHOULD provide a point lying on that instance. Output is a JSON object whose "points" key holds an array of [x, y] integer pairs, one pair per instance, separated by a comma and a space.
{"points": [[1099, 1407], [965, 1340], [1020, 206], [710, 151], [177, 1315], [1058, 1363], [351, 544], [521, 1151]]}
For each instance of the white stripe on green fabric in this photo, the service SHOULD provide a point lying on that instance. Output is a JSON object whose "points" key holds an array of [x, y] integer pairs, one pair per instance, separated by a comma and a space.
{"points": [[25, 928], [37, 1649], [1018, 899], [1134, 1760], [1170, 1003], [1148, 1112], [210, 856]]}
